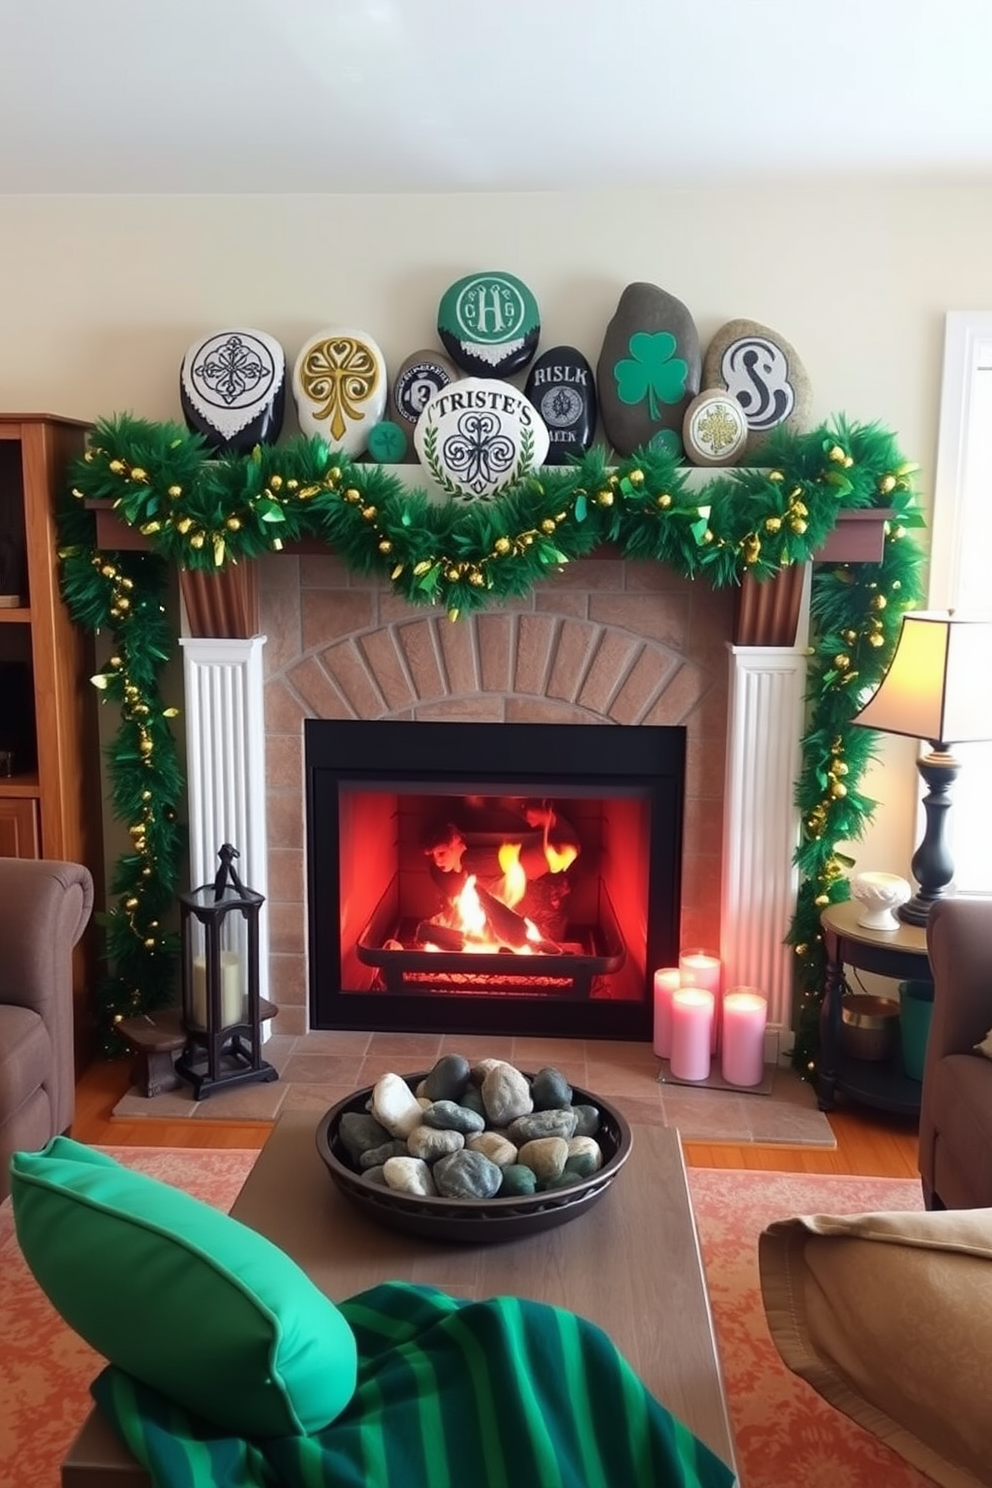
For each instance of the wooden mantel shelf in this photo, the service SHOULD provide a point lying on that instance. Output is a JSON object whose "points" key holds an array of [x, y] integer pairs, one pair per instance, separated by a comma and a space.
{"points": [[224, 605]]}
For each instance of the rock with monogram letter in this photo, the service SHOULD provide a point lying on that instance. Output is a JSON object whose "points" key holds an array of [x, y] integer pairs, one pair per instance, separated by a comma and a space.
{"points": [[562, 387], [478, 436], [489, 323], [339, 383], [648, 370], [232, 387], [763, 372], [421, 375]]}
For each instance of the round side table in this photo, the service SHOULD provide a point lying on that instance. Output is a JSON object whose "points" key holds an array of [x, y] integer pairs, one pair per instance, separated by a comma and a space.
{"points": [[901, 954]]}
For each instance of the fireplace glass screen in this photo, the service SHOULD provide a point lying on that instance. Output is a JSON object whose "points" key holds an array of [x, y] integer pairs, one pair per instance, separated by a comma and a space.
{"points": [[515, 879]]}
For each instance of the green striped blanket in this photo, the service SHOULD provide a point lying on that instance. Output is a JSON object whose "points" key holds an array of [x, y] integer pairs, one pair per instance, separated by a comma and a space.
{"points": [[451, 1394]]}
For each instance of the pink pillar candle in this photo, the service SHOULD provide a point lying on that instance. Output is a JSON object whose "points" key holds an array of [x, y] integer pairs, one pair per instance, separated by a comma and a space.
{"points": [[666, 981], [745, 1013], [692, 1024], [702, 969]]}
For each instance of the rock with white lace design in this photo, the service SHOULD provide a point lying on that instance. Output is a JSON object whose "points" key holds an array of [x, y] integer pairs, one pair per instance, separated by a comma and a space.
{"points": [[232, 388]]}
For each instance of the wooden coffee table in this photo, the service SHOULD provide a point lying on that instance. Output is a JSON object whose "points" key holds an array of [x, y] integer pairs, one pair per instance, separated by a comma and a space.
{"points": [[631, 1264]]}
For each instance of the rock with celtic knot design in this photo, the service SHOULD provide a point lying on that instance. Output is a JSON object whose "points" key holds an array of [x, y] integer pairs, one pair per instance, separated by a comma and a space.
{"points": [[562, 387], [232, 387], [714, 430], [479, 435]]}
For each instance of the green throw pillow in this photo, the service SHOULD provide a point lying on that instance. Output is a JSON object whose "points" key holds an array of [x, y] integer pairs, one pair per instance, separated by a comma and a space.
{"points": [[183, 1297]]}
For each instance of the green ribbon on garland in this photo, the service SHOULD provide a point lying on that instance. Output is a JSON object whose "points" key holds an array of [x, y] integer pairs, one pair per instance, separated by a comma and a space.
{"points": [[203, 511]]}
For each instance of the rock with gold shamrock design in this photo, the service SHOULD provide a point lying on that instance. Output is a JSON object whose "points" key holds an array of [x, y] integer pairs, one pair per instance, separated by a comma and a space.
{"points": [[763, 372], [478, 436], [648, 370], [339, 383], [489, 324], [714, 430], [232, 388]]}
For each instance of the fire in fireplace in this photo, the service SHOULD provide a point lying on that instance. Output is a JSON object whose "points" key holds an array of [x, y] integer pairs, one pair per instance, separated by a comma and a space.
{"points": [[474, 878]]}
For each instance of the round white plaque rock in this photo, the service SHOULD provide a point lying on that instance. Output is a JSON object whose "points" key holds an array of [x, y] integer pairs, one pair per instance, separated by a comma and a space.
{"points": [[479, 435]]}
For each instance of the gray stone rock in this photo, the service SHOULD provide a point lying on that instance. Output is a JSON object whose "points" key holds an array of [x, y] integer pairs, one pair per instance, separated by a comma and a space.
{"points": [[409, 1175], [764, 373], [447, 1115], [448, 1079], [583, 1151], [550, 1089], [467, 1175], [588, 1122], [559, 1123], [471, 1099], [506, 1094], [648, 370], [430, 1142], [547, 1156], [375, 1176], [359, 1132], [376, 1156]]}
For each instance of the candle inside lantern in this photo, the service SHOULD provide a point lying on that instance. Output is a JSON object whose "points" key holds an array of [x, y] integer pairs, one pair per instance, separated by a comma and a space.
{"points": [[666, 981], [231, 990], [703, 969], [745, 1013], [692, 1022]]}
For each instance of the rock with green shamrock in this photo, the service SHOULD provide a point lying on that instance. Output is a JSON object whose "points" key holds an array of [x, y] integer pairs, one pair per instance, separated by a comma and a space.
{"points": [[648, 370]]}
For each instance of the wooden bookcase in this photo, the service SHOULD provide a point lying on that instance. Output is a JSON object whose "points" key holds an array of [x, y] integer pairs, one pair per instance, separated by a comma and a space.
{"points": [[51, 804]]}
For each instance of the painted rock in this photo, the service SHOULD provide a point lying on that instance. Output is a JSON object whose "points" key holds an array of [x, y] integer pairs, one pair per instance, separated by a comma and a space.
{"points": [[387, 443], [478, 436], [648, 369], [339, 383], [562, 387], [714, 430], [764, 374], [422, 374], [489, 324], [232, 387]]}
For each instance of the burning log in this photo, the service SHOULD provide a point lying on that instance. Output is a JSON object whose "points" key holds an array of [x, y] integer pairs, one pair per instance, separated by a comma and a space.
{"points": [[442, 936], [508, 927]]}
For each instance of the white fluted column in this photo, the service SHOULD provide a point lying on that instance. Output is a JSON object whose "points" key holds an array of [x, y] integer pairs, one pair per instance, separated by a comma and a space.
{"points": [[761, 823], [225, 764]]}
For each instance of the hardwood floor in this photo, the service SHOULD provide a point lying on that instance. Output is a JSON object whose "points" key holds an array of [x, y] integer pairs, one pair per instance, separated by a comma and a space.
{"points": [[869, 1143]]}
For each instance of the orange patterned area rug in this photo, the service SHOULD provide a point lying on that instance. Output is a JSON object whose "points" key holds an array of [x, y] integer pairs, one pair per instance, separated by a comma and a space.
{"points": [[785, 1433]]}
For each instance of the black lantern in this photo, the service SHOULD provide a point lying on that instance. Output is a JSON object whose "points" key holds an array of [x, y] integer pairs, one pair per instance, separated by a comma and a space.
{"points": [[222, 1010]]}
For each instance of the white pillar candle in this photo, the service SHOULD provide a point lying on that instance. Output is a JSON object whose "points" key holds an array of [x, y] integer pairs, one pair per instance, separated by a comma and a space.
{"points": [[703, 969], [231, 990], [666, 981], [692, 1021], [745, 1013]]}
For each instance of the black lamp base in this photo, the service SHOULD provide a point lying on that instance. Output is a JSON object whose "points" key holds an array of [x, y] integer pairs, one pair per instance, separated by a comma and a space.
{"points": [[916, 911], [932, 865]]}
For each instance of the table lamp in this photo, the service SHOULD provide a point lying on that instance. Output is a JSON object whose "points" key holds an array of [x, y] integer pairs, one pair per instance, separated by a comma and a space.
{"points": [[936, 689]]}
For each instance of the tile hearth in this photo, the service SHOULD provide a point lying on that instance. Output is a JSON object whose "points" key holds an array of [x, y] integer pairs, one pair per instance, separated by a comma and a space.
{"points": [[318, 1069]]}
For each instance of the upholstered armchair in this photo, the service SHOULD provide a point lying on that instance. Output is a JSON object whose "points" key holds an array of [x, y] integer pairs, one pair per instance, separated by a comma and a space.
{"points": [[955, 1153], [44, 909]]}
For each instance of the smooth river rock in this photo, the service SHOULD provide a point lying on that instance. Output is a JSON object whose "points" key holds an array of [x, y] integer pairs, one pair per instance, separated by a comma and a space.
{"points": [[715, 429], [648, 370], [764, 373], [562, 387], [421, 375], [478, 436]]}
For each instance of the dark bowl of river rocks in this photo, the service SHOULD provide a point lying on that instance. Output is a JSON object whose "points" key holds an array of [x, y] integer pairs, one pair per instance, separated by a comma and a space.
{"points": [[473, 1152]]}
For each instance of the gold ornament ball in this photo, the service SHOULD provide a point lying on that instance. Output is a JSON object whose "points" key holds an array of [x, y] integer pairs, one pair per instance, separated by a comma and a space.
{"points": [[838, 789], [502, 545], [145, 746], [776, 475], [636, 477], [842, 662], [352, 495], [275, 482], [801, 948], [604, 498], [548, 526], [370, 513], [131, 903], [233, 524], [149, 943], [772, 524], [197, 540], [664, 500], [109, 571], [385, 546], [115, 661], [138, 474], [116, 467], [175, 492], [453, 575], [476, 578], [798, 526], [876, 640]]}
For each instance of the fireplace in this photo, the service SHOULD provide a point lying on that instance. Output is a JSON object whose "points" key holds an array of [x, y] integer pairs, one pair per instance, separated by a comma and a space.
{"points": [[474, 878]]}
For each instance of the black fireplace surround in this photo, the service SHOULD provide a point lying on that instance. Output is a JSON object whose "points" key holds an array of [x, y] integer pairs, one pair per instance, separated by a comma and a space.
{"points": [[380, 794]]}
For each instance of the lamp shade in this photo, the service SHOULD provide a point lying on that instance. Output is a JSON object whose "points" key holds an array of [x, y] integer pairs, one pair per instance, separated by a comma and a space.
{"points": [[936, 687]]}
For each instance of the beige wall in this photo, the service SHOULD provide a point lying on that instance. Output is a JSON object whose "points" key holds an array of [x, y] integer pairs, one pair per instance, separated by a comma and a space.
{"points": [[100, 296]]}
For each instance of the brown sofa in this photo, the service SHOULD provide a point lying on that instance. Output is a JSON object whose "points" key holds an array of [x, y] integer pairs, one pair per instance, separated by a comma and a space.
{"points": [[955, 1153], [44, 909]]}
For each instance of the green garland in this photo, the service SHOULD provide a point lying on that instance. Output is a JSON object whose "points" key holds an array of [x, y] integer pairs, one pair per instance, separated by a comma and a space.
{"points": [[199, 511]]}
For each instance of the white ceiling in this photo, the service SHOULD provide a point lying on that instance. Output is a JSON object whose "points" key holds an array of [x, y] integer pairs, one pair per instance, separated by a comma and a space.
{"points": [[511, 95]]}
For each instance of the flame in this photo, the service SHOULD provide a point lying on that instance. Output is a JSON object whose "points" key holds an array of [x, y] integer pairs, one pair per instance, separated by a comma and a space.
{"points": [[514, 874], [470, 913], [559, 859]]}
